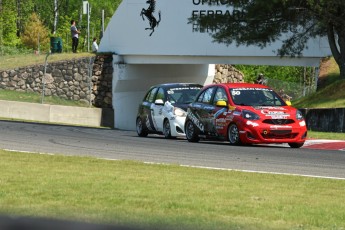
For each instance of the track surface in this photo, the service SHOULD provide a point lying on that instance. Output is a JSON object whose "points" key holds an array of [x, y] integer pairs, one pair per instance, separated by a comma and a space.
{"points": [[313, 160]]}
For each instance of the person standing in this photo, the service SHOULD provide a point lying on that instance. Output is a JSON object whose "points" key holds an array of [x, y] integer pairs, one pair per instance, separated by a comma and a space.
{"points": [[75, 36], [94, 45]]}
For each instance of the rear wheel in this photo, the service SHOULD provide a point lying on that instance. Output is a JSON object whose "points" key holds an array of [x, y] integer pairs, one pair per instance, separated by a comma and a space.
{"points": [[296, 145], [191, 132], [167, 129], [234, 135], [140, 128]]}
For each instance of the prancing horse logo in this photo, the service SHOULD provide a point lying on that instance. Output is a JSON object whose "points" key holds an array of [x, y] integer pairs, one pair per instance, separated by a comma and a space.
{"points": [[148, 13]]}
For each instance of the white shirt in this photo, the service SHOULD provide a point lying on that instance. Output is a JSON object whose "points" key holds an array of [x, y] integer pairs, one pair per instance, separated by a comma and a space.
{"points": [[94, 46]]}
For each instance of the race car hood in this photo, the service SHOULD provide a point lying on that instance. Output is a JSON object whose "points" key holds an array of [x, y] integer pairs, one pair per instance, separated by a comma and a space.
{"points": [[274, 112]]}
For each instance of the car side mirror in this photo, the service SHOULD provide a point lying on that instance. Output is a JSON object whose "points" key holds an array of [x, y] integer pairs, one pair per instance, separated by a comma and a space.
{"points": [[159, 102], [221, 103], [288, 103]]}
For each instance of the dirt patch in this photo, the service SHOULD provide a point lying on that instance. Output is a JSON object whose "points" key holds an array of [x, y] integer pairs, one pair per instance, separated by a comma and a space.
{"points": [[325, 65]]}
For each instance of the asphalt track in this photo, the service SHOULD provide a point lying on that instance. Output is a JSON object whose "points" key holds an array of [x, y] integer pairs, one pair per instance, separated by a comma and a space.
{"points": [[318, 158]]}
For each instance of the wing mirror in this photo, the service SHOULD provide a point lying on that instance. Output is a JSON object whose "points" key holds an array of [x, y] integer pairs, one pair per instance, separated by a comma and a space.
{"points": [[159, 102], [288, 103], [221, 104]]}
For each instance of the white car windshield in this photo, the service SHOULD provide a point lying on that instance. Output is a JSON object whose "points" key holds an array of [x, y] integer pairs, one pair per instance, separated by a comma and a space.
{"points": [[182, 95]]}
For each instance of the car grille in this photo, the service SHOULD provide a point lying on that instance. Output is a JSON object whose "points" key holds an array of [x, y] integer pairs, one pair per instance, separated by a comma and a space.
{"points": [[278, 121], [279, 134]]}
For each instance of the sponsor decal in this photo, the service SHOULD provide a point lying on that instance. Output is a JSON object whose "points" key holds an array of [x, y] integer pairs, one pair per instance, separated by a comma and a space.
{"points": [[148, 14], [196, 121], [219, 112], [254, 124], [275, 114], [237, 113], [208, 107]]}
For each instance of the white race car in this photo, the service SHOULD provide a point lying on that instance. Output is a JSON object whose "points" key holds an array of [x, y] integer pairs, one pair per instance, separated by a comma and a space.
{"points": [[164, 109]]}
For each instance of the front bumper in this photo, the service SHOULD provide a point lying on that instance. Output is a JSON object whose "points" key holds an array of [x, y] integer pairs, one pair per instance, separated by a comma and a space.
{"points": [[263, 133], [177, 126]]}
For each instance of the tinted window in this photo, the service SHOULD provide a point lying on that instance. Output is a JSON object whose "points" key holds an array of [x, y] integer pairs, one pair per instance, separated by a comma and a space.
{"points": [[255, 97], [206, 96], [220, 95], [183, 94], [150, 95], [160, 94]]}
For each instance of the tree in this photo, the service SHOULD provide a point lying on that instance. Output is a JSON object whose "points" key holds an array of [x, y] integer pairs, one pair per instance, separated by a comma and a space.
{"points": [[35, 33], [8, 26], [261, 22]]}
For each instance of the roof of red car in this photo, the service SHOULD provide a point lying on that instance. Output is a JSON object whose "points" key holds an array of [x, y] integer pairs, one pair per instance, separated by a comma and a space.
{"points": [[242, 85]]}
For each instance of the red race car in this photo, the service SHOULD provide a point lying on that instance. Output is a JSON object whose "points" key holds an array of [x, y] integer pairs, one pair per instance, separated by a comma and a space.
{"points": [[243, 113]]}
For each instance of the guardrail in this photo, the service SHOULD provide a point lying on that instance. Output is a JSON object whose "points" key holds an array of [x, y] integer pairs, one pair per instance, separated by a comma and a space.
{"points": [[57, 114]]}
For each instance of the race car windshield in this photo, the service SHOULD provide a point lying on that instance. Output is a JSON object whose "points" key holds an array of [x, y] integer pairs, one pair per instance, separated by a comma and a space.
{"points": [[182, 95], [255, 97]]}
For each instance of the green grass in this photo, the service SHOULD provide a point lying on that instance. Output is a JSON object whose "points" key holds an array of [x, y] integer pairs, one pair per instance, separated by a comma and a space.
{"points": [[10, 95], [15, 61], [165, 196], [331, 96], [326, 135]]}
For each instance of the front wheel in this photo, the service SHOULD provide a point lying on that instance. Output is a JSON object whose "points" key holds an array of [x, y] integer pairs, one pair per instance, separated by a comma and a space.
{"points": [[234, 135], [140, 128], [296, 145], [191, 132], [167, 129]]}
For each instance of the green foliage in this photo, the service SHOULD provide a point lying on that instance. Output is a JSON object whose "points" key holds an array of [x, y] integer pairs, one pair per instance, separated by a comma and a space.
{"points": [[8, 18], [14, 50], [262, 22], [286, 73], [15, 14], [35, 34]]}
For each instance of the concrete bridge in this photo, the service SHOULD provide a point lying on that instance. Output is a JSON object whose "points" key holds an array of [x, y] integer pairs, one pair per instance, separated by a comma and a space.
{"points": [[161, 46]]}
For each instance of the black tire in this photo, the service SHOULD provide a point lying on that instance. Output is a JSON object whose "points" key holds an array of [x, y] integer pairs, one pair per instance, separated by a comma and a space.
{"points": [[296, 145], [192, 134], [234, 135], [140, 128], [167, 129]]}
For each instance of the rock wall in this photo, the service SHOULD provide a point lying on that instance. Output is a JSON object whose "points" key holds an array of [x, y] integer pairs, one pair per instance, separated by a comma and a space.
{"points": [[65, 79], [71, 79], [227, 74]]}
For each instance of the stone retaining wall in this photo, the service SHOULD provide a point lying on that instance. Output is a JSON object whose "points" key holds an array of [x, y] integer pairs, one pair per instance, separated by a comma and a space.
{"points": [[65, 79], [227, 74]]}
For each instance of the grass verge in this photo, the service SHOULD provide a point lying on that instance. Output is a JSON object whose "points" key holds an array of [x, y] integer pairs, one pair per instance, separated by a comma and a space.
{"points": [[325, 135], [165, 196], [15, 61], [10, 95]]}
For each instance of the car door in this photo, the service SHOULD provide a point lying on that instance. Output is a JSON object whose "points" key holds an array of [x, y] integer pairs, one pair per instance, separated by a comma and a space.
{"points": [[145, 109], [157, 108], [220, 112], [203, 109]]}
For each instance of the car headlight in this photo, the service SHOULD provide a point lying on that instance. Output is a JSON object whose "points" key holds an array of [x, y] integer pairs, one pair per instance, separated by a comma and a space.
{"points": [[299, 115], [179, 112], [249, 115]]}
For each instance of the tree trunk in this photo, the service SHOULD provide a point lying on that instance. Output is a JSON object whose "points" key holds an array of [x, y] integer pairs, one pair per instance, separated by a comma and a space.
{"points": [[56, 14], [337, 45]]}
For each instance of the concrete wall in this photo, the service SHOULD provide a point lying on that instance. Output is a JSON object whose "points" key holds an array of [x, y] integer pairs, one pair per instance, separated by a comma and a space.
{"points": [[325, 120], [57, 114], [131, 82]]}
